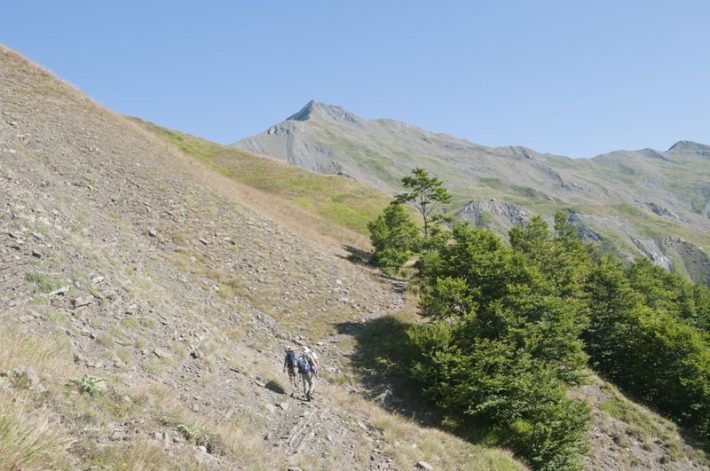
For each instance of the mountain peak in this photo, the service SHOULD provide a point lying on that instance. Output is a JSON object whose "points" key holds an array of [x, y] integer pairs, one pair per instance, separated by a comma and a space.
{"points": [[315, 109], [689, 146]]}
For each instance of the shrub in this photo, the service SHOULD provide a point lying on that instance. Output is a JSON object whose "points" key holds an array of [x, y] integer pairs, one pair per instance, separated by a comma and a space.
{"points": [[45, 283], [394, 237], [92, 385]]}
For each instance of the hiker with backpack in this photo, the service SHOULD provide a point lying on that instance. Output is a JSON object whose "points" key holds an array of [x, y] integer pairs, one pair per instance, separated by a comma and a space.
{"points": [[290, 364], [312, 359], [306, 370]]}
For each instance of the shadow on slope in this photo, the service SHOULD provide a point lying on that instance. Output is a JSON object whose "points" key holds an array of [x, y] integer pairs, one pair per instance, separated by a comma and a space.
{"points": [[384, 354], [382, 358]]}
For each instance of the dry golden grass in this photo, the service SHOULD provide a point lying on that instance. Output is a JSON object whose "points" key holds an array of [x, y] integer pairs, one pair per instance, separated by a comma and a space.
{"points": [[143, 455], [236, 438], [49, 354], [29, 437]]}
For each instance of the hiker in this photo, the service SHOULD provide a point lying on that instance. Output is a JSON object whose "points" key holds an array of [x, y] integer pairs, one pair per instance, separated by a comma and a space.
{"points": [[290, 363], [312, 359], [305, 368]]}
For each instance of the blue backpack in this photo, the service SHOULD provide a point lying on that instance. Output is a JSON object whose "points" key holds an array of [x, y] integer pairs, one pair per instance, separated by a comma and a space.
{"points": [[291, 360], [303, 366]]}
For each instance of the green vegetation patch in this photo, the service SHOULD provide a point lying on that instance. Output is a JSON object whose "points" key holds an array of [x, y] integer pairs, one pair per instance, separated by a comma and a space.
{"points": [[340, 200], [44, 283]]}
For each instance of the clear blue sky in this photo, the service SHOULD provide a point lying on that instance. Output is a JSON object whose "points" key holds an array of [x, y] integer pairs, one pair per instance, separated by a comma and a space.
{"points": [[576, 78]]}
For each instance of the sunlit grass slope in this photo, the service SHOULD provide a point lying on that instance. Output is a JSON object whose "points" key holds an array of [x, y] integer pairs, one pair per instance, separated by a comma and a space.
{"points": [[337, 199]]}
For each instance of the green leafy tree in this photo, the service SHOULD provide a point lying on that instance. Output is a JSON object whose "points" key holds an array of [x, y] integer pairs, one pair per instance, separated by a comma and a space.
{"points": [[559, 258], [501, 346], [394, 237], [644, 337], [427, 193], [668, 292]]}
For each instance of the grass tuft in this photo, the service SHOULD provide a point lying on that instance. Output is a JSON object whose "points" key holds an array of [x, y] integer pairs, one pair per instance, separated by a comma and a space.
{"points": [[28, 438]]}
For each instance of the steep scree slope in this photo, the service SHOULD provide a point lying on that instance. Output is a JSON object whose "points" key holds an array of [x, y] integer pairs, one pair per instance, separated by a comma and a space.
{"points": [[144, 309]]}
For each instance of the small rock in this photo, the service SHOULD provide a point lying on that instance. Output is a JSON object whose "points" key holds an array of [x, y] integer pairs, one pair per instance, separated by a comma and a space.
{"points": [[293, 468], [119, 436], [97, 280], [153, 233], [80, 302], [196, 352], [94, 364], [36, 254], [284, 406], [204, 242], [59, 291], [159, 353], [201, 455], [424, 465]]}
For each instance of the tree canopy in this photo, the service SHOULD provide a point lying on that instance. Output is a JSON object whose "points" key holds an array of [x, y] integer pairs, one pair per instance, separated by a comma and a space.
{"points": [[510, 327], [394, 237], [426, 192]]}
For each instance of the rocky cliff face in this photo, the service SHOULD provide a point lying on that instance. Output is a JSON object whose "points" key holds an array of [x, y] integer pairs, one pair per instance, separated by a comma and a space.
{"points": [[494, 214], [623, 197]]}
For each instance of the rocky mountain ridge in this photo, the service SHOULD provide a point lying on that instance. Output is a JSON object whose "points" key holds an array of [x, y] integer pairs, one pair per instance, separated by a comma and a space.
{"points": [[629, 199]]}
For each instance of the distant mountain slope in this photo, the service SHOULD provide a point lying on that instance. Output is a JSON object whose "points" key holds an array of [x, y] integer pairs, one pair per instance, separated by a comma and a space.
{"points": [[634, 202]]}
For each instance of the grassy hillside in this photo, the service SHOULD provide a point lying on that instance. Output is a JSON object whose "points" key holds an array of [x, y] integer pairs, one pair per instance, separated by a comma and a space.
{"points": [[341, 200]]}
